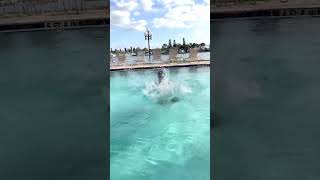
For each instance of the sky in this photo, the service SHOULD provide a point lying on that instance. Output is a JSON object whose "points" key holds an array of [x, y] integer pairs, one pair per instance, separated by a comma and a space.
{"points": [[167, 19]]}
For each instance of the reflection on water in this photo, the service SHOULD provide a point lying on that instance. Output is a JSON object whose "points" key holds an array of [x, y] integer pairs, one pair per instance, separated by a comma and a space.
{"points": [[266, 99]]}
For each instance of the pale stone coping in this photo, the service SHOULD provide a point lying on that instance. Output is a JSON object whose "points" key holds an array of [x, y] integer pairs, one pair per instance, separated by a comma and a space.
{"points": [[159, 65]]}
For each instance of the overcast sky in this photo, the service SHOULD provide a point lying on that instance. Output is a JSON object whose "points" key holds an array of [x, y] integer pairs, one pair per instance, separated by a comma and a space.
{"points": [[167, 19]]}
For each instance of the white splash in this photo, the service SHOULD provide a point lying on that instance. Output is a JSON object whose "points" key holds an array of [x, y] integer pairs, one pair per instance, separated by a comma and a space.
{"points": [[165, 91]]}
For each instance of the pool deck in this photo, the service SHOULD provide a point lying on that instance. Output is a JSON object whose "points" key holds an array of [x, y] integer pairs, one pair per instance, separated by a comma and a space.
{"points": [[160, 65]]}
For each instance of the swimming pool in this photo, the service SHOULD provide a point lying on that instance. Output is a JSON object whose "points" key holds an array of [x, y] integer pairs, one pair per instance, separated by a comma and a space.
{"points": [[153, 137]]}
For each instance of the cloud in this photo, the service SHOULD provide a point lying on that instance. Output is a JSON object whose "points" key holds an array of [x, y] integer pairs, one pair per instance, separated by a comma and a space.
{"points": [[183, 15], [147, 4], [174, 14], [172, 3], [163, 22], [121, 12], [122, 19], [127, 5], [136, 13], [201, 34]]}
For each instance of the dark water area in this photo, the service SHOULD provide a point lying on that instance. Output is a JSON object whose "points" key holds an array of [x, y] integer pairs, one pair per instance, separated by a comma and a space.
{"points": [[53, 105], [267, 84]]}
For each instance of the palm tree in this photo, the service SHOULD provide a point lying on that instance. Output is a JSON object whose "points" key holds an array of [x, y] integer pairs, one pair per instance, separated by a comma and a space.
{"points": [[164, 46]]}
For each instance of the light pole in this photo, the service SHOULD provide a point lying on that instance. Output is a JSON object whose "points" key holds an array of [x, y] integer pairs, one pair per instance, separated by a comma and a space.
{"points": [[148, 36]]}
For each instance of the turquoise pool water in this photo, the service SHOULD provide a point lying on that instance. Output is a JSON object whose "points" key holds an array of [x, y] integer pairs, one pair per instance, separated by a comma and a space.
{"points": [[155, 137]]}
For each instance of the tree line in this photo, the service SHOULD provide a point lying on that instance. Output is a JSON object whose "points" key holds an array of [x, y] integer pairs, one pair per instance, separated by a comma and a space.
{"points": [[182, 48]]}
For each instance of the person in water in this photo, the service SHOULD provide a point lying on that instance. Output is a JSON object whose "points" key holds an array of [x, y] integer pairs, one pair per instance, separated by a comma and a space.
{"points": [[161, 76]]}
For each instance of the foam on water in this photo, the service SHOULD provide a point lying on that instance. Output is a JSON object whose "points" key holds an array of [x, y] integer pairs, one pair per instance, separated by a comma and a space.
{"points": [[166, 91]]}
